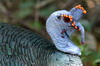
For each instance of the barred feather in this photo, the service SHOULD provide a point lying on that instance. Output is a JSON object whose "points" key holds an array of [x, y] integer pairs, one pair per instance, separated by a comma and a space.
{"points": [[20, 47]]}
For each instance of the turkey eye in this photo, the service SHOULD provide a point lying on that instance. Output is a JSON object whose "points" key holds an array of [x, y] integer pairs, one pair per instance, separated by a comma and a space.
{"points": [[58, 17], [67, 19]]}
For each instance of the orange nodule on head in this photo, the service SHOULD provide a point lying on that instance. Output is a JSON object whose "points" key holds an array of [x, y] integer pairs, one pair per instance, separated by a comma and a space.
{"points": [[75, 27], [65, 15], [80, 7], [79, 29], [71, 20], [84, 12], [67, 18], [70, 17], [73, 24]]}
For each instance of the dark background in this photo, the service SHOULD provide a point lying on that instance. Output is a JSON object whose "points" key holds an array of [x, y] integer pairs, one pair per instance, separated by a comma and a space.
{"points": [[32, 15]]}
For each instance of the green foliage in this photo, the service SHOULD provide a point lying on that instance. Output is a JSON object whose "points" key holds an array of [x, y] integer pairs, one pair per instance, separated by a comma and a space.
{"points": [[96, 58], [89, 55], [76, 39], [86, 24], [25, 8], [27, 4], [36, 25], [23, 13], [47, 11]]}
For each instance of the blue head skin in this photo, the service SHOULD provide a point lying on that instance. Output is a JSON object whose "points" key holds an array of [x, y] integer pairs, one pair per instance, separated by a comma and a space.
{"points": [[55, 24], [77, 12]]}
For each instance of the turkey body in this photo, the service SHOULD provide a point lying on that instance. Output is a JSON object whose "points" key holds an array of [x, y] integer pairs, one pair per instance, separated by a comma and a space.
{"points": [[21, 47]]}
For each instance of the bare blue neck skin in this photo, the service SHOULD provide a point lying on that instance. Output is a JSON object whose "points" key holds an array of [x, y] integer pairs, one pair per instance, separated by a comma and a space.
{"points": [[54, 27]]}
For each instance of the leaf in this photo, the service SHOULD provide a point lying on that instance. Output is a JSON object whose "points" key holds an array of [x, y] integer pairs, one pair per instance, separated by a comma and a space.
{"points": [[96, 61]]}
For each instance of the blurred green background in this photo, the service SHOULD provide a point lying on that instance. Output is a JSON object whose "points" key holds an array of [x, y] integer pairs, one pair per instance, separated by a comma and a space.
{"points": [[32, 15]]}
